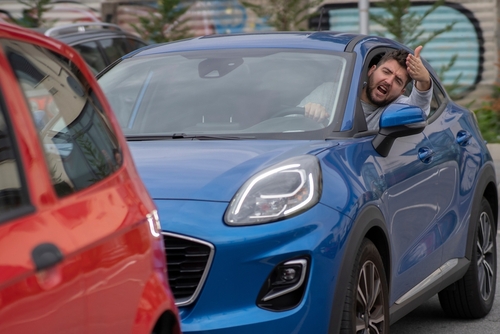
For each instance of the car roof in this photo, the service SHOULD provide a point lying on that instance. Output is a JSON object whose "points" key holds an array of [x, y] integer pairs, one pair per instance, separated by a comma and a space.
{"points": [[323, 40], [9, 30], [78, 32]]}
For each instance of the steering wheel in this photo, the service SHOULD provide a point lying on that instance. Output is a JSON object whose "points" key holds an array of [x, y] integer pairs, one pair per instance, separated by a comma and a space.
{"points": [[295, 111]]}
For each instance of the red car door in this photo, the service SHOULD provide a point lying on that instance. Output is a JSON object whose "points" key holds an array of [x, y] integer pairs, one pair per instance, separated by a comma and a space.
{"points": [[80, 248], [41, 286]]}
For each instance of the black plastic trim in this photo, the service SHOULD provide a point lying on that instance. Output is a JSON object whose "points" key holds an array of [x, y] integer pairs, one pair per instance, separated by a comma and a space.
{"points": [[46, 255], [397, 311], [370, 217]]}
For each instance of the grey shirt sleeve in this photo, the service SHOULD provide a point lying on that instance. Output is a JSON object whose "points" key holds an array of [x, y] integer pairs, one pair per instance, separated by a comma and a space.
{"points": [[323, 94], [418, 98]]}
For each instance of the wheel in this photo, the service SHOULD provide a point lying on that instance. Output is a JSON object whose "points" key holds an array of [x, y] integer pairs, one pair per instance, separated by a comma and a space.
{"points": [[366, 306], [472, 296]]}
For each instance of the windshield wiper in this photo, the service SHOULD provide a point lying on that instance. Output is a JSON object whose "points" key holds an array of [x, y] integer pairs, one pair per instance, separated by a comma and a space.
{"points": [[185, 136]]}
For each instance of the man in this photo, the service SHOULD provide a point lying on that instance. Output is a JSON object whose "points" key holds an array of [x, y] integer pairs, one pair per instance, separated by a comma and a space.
{"points": [[386, 84]]}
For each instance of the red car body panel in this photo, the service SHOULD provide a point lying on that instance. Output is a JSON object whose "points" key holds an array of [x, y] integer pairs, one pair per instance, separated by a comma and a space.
{"points": [[112, 277]]}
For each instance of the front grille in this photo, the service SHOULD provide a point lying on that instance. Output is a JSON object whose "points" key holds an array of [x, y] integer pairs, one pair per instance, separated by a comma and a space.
{"points": [[188, 262]]}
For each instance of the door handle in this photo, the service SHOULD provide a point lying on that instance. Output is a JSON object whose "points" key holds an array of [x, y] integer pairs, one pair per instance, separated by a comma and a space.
{"points": [[46, 255], [463, 138], [425, 154]]}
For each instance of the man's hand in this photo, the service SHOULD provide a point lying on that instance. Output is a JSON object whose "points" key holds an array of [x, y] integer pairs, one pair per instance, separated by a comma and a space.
{"points": [[316, 111], [417, 70]]}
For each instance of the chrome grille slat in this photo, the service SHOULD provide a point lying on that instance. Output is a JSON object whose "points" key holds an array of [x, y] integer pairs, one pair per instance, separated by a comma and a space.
{"points": [[188, 262]]}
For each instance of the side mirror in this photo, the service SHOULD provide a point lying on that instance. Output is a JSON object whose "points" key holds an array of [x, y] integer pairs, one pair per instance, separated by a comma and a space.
{"points": [[398, 120]]}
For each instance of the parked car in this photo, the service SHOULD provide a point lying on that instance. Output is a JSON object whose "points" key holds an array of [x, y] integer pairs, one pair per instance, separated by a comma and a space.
{"points": [[80, 243], [277, 223], [98, 43]]}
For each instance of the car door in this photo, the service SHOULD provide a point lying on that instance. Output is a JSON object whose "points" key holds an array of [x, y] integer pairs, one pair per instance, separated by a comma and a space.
{"points": [[410, 208], [458, 159], [409, 202], [41, 286]]}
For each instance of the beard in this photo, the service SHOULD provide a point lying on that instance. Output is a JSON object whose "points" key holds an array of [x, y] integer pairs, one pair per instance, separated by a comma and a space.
{"points": [[370, 87]]}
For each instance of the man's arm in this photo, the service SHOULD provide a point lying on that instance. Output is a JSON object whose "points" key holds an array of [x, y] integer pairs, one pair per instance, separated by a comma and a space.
{"points": [[417, 71], [421, 95], [316, 102]]}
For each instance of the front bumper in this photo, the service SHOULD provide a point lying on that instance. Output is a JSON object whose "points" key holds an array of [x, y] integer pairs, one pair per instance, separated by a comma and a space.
{"points": [[244, 258]]}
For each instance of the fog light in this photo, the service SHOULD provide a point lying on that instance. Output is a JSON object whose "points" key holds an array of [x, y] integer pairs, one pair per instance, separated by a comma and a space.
{"points": [[285, 286], [288, 274]]}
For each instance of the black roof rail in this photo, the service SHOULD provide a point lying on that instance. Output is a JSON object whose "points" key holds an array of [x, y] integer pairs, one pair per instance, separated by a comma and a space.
{"points": [[80, 27]]}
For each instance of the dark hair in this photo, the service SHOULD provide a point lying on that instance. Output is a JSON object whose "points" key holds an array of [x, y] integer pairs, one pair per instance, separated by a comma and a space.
{"points": [[399, 56]]}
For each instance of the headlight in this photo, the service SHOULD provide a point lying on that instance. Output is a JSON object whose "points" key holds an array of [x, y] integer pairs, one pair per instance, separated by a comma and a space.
{"points": [[277, 192]]}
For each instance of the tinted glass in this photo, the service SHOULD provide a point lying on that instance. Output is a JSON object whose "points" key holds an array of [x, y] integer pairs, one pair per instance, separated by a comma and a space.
{"points": [[91, 54], [224, 91], [79, 145], [10, 183], [114, 48], [134, 44]]}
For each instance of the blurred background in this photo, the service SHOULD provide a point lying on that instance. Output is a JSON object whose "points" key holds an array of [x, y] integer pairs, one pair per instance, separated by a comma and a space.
{"points": [[460, 37]]}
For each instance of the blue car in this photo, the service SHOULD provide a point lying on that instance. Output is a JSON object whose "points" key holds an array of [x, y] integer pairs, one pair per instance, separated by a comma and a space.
{"points": [[277, 223]]}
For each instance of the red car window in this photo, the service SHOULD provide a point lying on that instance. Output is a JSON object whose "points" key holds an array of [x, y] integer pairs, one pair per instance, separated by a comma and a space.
{"points": [[11, 194], [80, 148]]}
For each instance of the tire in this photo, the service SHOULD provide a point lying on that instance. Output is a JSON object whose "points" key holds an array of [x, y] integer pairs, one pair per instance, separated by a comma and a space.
{"points": [[472, 296], [358, 317]]}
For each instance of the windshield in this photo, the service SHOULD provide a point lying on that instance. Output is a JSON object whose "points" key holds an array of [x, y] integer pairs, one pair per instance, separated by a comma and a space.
{"points": [[241, 91]]}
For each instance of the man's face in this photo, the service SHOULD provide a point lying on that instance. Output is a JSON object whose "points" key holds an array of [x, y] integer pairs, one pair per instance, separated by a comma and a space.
{"points": [[386, 83]]}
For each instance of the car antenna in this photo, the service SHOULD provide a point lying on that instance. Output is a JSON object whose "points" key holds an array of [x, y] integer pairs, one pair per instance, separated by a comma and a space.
{"points": [[320, 17]]}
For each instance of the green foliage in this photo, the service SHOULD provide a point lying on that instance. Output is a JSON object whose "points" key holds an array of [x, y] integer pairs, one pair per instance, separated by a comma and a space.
{"points": [[164, 24], [489, 123], [284, 15], [488, 117], [406, 26], [33, 14]]}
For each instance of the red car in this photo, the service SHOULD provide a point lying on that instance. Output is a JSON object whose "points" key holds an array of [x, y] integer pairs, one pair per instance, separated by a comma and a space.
{"points": [[80, 244]]}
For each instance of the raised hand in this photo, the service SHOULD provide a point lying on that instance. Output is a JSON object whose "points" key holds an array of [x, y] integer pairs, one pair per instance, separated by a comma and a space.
{"points": [[417, 70]]}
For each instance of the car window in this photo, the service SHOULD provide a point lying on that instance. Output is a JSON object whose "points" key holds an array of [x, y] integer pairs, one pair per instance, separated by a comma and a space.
{"points": [[80, 146], [114, 48], [92, 55], [244, 91], [134, 44], [437, 98], [11, 189]]}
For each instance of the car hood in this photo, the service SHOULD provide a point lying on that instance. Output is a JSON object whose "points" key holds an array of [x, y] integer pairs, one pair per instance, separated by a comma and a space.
{"points": [[210, 170]]}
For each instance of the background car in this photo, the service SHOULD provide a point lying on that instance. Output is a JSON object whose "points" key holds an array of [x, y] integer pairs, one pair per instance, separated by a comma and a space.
{"points": [[277, 223], [98, 43], [80, 249]]}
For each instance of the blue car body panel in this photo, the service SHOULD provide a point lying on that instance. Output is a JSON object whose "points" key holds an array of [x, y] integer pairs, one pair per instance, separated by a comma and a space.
{"points": [[210, 170]]}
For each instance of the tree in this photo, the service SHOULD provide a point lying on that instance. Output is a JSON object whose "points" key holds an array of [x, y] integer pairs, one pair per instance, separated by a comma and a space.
{"points": [[164, 24], [406, 27], [284, 15], [33, 14]]}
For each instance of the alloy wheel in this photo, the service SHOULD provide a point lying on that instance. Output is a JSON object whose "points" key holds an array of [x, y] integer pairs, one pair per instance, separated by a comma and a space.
{"points": [[370, 300], [485, 256]]}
